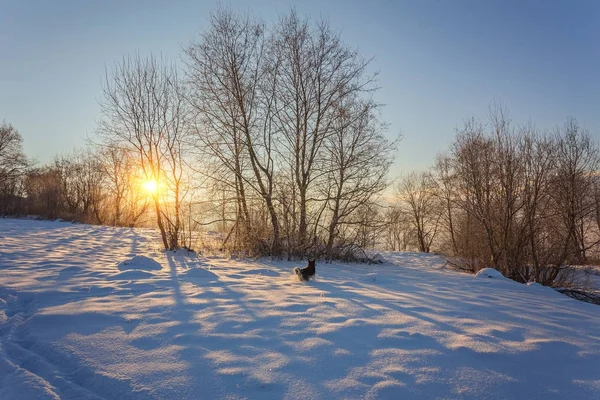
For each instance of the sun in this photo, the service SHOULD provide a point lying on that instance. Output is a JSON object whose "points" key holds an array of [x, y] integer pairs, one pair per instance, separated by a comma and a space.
{"points": [[150, 186]]}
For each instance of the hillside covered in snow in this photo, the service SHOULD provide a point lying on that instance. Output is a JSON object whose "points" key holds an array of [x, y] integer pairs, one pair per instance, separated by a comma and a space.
{"points": [[90, 312]]}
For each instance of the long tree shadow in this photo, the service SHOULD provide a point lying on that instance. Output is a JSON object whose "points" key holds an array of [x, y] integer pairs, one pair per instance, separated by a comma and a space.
{"points": [[453, 348], [246, 339], [200, 374], [219, 336]]}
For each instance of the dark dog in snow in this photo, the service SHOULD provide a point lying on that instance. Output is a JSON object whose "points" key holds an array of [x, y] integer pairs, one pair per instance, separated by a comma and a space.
{"points": [[304, 274]]}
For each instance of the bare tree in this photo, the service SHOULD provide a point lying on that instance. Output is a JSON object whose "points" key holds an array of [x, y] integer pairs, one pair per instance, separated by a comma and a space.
{"points": [[13, 161], [538, 162], [490, 171], [144, 110], [44, 192], [509, 230], [576, 164], [80, 176], [417, 192], [520, 201], [359, 157], [474, 162], [125, 203], [13, 164], [315, 73], [281, 116], [445, 181], [397, 229], [233, 105]]}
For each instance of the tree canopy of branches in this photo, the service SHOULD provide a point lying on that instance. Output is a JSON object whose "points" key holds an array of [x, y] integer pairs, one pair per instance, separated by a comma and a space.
{"points": [[13, 164], [419, 202], [286, 116], [513, 198], [144, 111]]}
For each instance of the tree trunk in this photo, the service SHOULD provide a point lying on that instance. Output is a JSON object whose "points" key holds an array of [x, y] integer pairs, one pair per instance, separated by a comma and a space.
{"points": [[159, 221]]}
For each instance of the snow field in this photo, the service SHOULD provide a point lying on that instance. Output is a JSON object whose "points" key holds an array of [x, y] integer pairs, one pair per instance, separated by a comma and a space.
{"points": [[101, 313]]}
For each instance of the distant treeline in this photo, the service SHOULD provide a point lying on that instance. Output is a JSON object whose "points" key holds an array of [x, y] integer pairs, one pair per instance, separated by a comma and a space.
{"points": [[95, 187], [524, 202]]}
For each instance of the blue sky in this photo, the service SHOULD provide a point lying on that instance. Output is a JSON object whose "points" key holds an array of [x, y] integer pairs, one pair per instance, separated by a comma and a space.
{"points": [[440, 62]]}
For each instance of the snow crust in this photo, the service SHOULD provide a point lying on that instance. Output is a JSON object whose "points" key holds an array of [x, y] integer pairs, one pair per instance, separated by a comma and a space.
{"points": [[92, 312]]}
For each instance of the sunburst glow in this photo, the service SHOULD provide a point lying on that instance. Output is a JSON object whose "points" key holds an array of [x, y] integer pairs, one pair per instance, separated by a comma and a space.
{"points": [[150, 186]]}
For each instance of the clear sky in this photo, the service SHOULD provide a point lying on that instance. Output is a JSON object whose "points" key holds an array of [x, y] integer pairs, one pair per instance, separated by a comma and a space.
{"points": [[440, 62]]}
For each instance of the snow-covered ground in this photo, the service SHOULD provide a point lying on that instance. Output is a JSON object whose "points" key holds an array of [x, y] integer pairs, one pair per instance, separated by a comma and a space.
{"points": [[100, 312]]}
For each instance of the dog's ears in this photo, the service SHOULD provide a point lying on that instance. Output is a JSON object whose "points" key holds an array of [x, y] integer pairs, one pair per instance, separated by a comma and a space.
{"points": [[312, 260]]}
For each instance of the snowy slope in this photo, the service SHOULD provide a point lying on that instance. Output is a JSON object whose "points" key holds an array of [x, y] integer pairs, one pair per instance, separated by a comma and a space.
{"points": [[98, 312]]}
